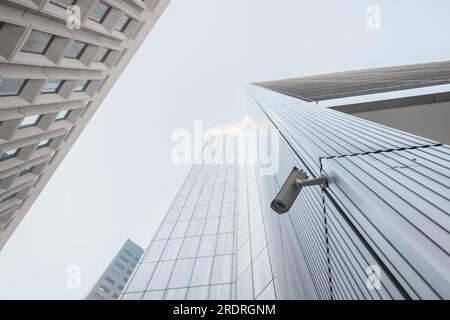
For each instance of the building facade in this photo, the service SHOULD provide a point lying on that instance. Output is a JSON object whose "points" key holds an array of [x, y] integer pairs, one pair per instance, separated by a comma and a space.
{"points": [[115, 277], [58, 60], [378, 230]]}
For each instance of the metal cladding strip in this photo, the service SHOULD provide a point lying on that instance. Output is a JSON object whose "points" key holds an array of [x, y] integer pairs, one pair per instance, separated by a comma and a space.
{"points": [[304, 132], [362, 82], [305, 127], [332, 133], [350, 260], [298, 238], [401, 211], [306, 217]]}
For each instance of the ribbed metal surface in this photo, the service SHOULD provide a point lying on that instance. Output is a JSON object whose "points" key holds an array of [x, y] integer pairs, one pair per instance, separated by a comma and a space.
{"points": [[316, 132], [387, 204], [362, 82], [307, 219], [400, 202]]}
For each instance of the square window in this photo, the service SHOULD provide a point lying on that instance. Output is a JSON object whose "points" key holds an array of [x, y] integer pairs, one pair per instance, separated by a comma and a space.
{"points": [[98, 297], [155, 250], [8, 154], [202, 272], [44, 143], [26, 171], [11, 87], [211, 226], [189, 248], [110, 280], [175, 294], [154, 295], [121, 266], [52, 86], [179, 276], [180, 229], [142, 277], [37, 42], [223, 267], [195, 228], [172, 249], [207, 246], [122, 23], [76, 50], [30, 121], [214, 211], [102, 54], [104, 288], [200, 212], [63, 3], [161, 275], [226, 224], [100, 12], [62, 115], [225, 244], [81, 85], [8, 198]]}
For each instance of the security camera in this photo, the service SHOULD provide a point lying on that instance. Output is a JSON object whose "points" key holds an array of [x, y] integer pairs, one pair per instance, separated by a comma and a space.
{"points": [[294, 183]]}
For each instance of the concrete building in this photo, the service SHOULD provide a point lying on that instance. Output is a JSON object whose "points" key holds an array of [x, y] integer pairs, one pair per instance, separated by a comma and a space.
{"points": [[378, 230], [58, 60], [115, 277]]}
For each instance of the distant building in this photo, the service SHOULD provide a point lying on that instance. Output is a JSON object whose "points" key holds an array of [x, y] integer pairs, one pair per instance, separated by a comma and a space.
{"points": [[115, 277]]}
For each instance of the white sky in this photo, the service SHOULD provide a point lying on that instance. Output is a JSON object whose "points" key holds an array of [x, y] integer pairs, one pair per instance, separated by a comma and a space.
{"points": [[118, 180]]}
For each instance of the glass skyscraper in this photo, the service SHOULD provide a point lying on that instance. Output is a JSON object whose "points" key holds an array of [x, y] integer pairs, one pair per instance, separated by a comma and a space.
{"points": [[379, 229], [212, 243]]}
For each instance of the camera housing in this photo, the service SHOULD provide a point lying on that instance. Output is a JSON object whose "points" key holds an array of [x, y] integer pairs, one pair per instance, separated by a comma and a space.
{"points": [[291, 188]]}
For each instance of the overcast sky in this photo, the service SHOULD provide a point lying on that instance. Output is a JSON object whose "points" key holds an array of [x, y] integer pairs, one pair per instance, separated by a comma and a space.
{"points": [[118, 179]]}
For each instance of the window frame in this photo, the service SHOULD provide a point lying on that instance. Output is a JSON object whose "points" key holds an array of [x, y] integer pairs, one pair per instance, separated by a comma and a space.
{"points": [[44, 145], [11, 196], [26, 171], [65, 116], [56, 89], [84, 87], [79, 54], [31, 124], [105, 55], [9, 156], [52, 37], [125, 25], [56, 3], [19, 90], [110, 280], [102, 19]]}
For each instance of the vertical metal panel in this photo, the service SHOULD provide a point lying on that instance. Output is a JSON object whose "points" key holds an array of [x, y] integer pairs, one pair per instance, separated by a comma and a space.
{"points": [[387, 204], [400, 202], [297, 240]]}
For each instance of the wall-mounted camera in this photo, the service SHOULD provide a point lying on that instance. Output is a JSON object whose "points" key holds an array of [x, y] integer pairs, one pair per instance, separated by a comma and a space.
{"points": [[294, 183]]}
